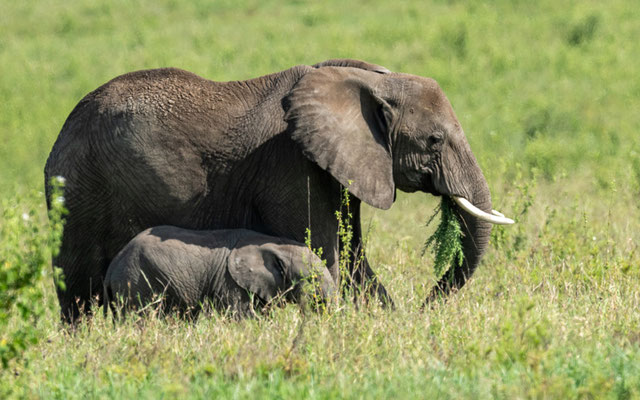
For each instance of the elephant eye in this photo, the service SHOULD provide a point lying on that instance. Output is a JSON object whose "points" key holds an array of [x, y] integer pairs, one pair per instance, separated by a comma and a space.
{"points": [[435, 139]]}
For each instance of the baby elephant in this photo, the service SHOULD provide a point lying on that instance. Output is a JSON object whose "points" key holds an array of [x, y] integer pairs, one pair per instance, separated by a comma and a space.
{"points": [[228, 268]]}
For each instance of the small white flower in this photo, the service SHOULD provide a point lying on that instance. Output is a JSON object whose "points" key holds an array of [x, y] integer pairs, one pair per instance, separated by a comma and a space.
{"points": [[59, 200], [25, 216], [60, 179]]}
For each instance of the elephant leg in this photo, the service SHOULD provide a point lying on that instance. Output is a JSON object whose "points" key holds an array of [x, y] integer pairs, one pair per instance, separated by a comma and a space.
{"points": [[318, 197], [360, 276], [81, 266], [83, 258]]}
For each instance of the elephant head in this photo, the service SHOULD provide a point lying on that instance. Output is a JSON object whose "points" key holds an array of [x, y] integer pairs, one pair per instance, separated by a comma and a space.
{"points": [[376, 132], [269, 268]]}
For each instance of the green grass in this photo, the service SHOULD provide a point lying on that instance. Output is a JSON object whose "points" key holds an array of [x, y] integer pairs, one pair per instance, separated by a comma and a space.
{"points": [[547, 93]]}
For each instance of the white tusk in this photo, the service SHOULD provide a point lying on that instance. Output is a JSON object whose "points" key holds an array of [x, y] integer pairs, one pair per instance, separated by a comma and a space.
{"points": [[495, 218]]}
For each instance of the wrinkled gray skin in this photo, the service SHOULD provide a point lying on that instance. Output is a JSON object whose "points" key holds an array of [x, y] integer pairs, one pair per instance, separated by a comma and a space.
{"points": [[226, 267], [271, 154]]}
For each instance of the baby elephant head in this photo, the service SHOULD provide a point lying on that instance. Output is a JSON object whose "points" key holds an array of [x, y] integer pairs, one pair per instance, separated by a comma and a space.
{"points": [[271, 267]]}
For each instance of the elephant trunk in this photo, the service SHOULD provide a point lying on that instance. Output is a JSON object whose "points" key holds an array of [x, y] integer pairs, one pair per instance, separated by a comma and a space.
{"points": [[475, 240], [465, 180]]}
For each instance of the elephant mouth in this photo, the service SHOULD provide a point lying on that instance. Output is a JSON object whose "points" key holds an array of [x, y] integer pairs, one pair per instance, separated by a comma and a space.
{"points": [[496, 217], [427, 186]]}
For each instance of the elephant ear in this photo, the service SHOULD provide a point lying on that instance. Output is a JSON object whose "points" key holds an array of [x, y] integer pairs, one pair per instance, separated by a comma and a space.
{"points": [[255, 270], [339, 119]]}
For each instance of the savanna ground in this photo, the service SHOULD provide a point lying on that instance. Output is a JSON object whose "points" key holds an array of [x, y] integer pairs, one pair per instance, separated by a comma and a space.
{"points": [[548, 94]]}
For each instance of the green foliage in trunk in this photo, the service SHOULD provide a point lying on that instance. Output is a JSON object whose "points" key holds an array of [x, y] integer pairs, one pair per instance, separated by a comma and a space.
{"points": [[445, 242]]}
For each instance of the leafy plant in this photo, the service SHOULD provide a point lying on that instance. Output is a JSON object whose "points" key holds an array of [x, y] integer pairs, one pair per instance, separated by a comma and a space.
{"points": [[445, 242], [312, 285], [345, 234], [26, 247]]}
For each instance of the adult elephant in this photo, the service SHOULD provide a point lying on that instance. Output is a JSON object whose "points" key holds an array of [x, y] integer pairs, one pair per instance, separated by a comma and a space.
{"points": [[272, 154]]}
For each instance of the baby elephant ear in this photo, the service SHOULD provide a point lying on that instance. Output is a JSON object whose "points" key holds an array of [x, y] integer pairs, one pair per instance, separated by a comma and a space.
{"points": [[254, 270], [338, 117]]}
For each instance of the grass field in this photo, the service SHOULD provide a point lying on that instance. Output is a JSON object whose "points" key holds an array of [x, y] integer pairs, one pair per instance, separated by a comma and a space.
{"points": [[548, 94]]}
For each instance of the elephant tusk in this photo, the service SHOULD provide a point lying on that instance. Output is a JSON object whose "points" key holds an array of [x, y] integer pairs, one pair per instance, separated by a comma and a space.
{"points": [[495, 217]]}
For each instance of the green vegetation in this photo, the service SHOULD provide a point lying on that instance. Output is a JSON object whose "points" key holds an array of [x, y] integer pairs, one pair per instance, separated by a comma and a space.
{"points": [[445, 242], [25, 253], [547, 93]]}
